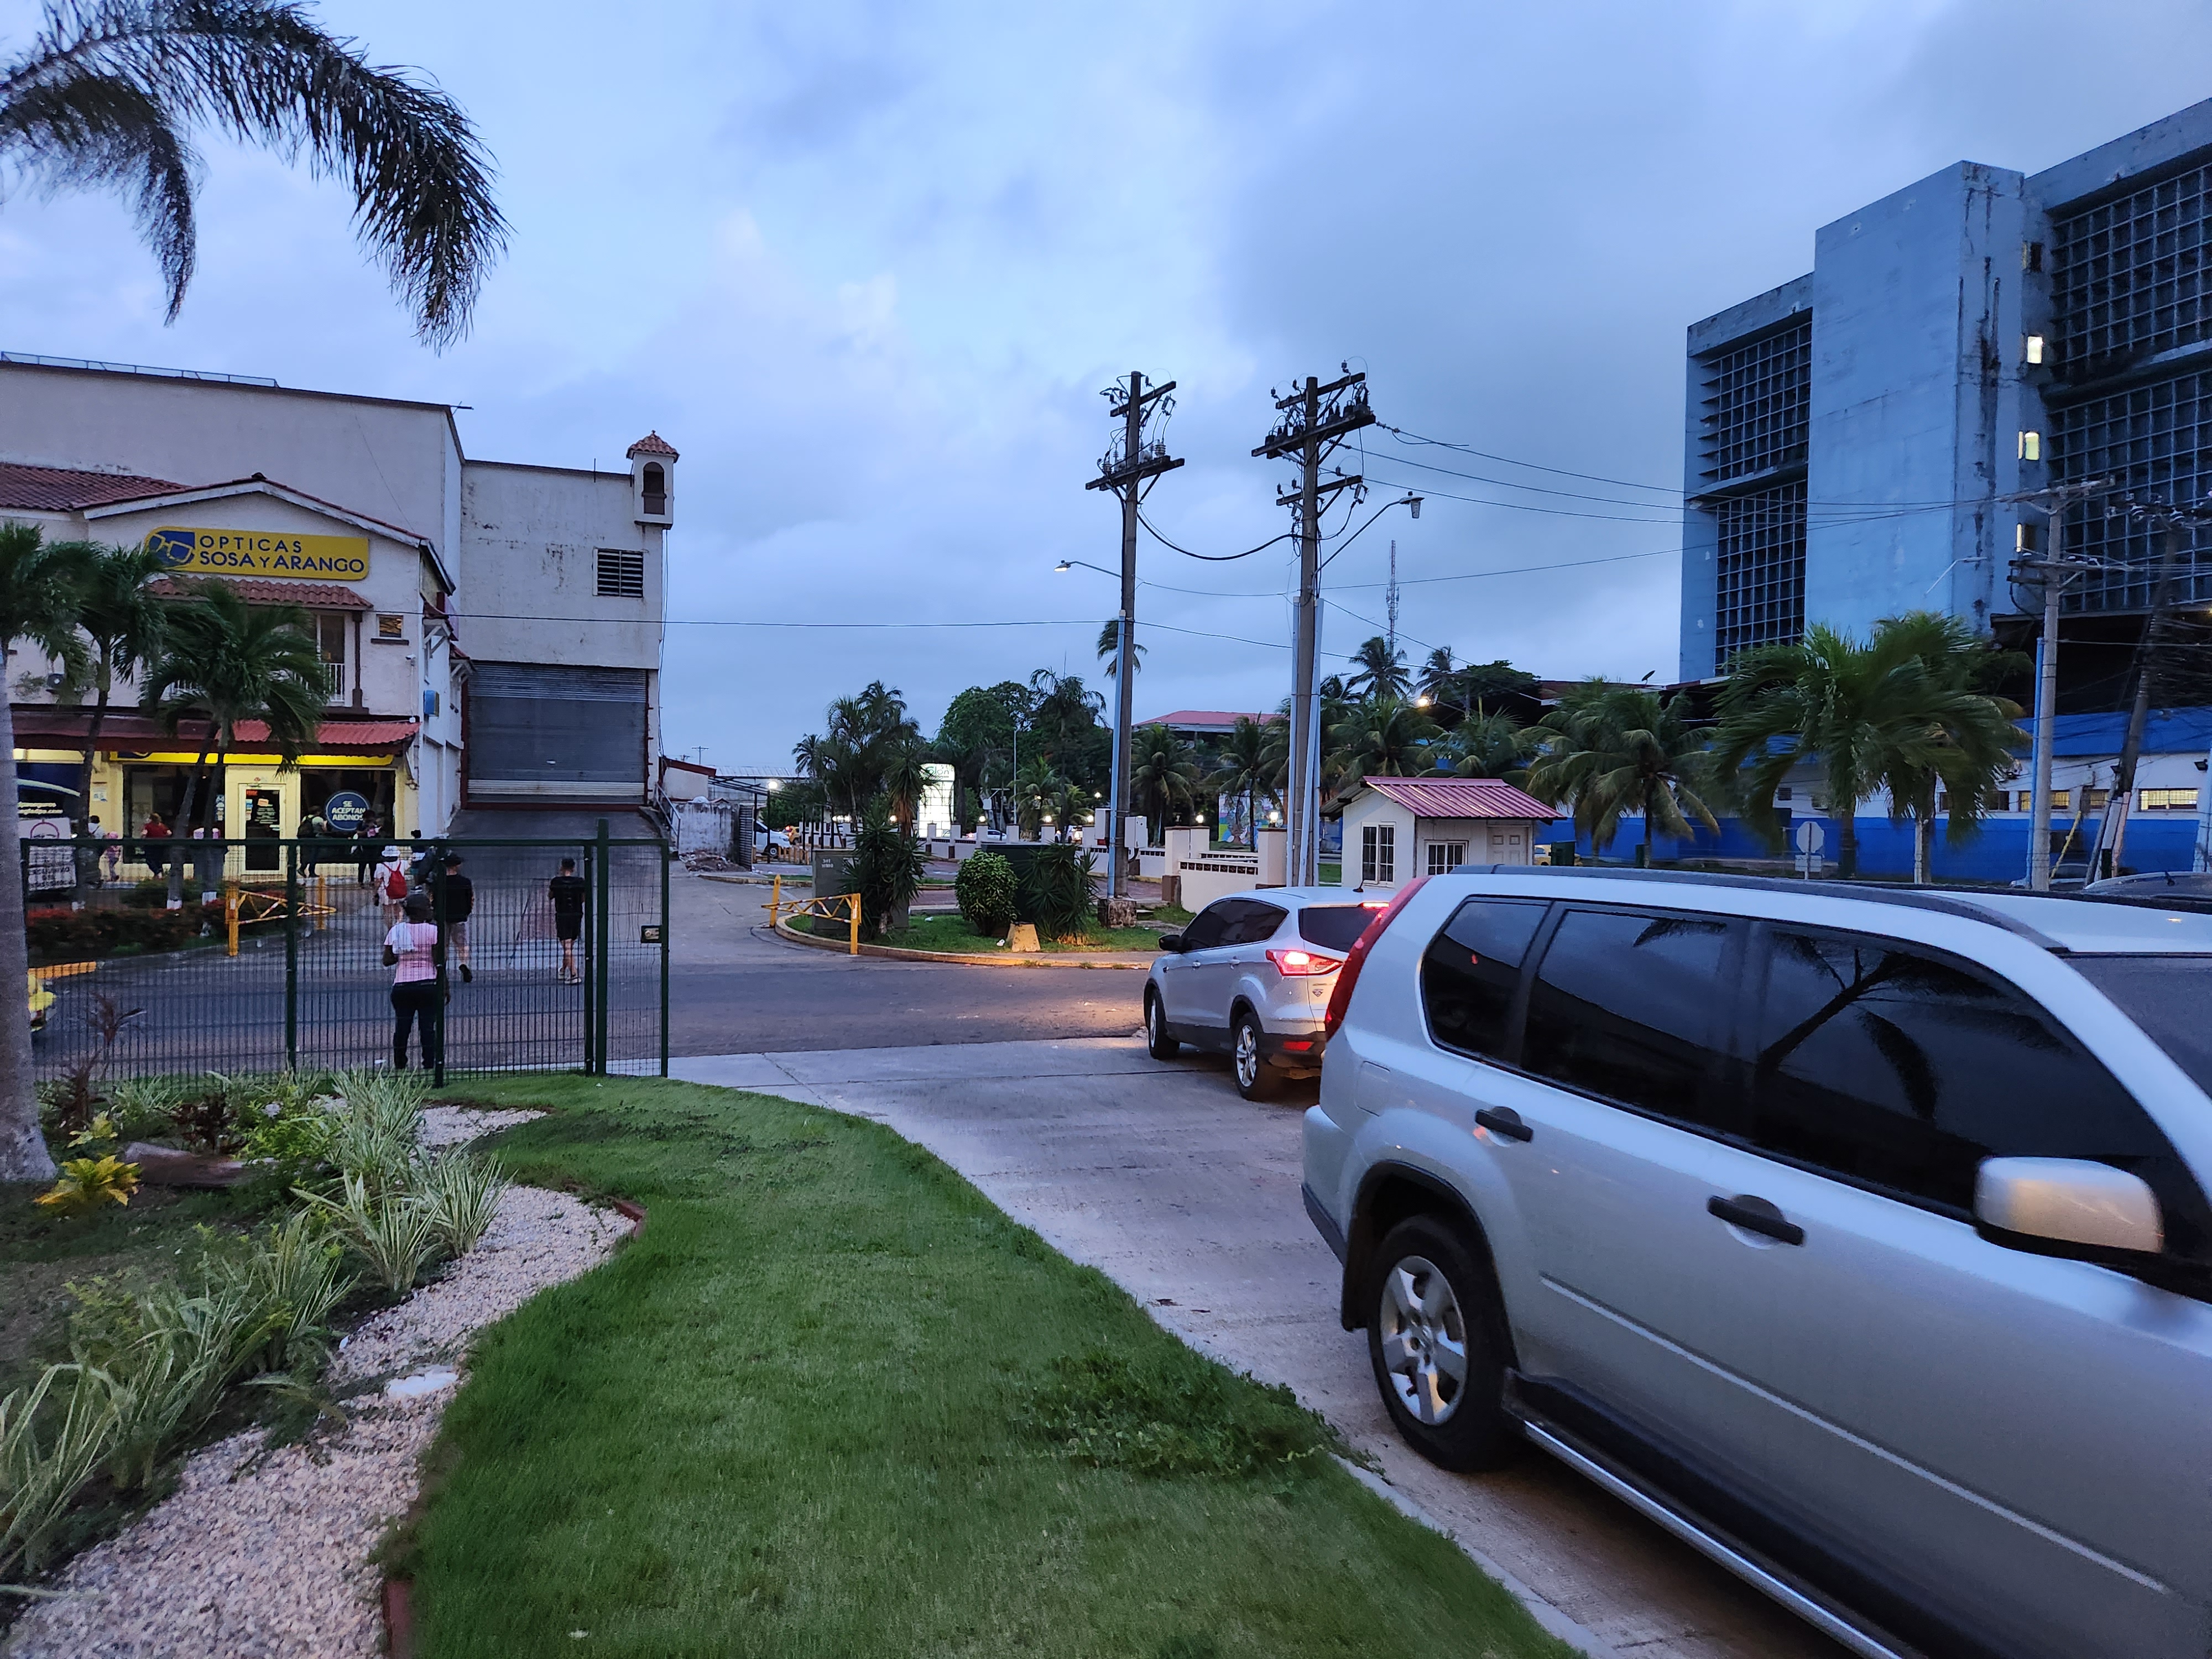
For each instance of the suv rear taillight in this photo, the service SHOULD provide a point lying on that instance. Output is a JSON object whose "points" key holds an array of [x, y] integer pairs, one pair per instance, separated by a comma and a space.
{"points": [[1340, 996], [1298, 965]]}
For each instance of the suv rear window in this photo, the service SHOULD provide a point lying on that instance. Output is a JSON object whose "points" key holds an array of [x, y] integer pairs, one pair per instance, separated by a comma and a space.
{"points": [[1471, 974], [1335, 927], [2167, 997]]}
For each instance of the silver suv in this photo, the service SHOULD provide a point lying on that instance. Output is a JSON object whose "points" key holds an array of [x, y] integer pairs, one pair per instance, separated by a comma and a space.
{"points": [[1251, 974], [1858, 1237]]}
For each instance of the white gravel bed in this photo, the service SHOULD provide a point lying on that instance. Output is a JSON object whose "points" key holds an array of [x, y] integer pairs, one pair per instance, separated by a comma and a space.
{"points": [[275, 1563], [449, 1126]]}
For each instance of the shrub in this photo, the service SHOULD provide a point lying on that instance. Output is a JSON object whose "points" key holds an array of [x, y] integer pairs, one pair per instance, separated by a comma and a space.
{"points": [[57, 933], [142, 1106], [986, 889], [86, 1183], [39, 1478], [395, 1234], [1057, 894], [462, 1193], [888, 866]]}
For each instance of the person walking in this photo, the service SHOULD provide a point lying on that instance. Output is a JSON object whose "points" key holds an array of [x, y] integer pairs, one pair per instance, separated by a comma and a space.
{"points": [[364, 847], [568, 892], [391, 883], [410, 951], [312, 831], [460, 903], [157, 845]]}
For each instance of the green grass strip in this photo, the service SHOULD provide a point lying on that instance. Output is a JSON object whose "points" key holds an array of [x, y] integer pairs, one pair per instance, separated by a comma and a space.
{"points": [[833, 1402]]}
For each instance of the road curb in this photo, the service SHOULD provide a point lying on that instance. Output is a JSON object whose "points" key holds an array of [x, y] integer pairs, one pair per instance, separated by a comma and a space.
{"points": [[784, 930]]}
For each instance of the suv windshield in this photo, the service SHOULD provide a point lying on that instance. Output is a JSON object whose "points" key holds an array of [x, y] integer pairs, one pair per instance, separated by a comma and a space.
{"points": [[2165, 995], [1335, 927]]}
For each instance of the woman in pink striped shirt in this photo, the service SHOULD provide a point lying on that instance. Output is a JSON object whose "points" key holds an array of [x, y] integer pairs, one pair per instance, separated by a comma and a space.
{"points": [[410, 951]]}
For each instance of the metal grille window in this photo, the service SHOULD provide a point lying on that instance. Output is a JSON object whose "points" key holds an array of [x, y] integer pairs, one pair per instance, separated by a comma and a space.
{"points": [[1379, 853], [2155, 441], [1758, 399], [2168, 800], [1760, 584], [622, 575], [2130, 276]]}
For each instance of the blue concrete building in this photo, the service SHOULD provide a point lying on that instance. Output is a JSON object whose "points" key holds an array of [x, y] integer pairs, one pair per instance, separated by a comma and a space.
{"points": [[1852, 437]]}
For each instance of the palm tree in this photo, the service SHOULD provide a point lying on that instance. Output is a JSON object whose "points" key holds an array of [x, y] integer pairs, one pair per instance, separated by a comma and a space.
{"points": [[1036, 789], [1965, 743], [1615, 749], [1866, 715], [226, 662], [110, 89], [1163, 775], [1380, 671], [1385, 736], [1439, 676], [1486, 746], [1110, 647], [124, 622], [39, 584], [1247, 765], [905, 781]]}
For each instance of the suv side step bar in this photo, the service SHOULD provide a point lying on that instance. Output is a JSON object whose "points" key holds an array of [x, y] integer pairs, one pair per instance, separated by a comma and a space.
{"points": [[1808, 1604]]}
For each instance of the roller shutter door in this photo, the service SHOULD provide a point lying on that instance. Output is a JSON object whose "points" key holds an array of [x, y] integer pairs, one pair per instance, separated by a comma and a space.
{"points": [[552, 734]]}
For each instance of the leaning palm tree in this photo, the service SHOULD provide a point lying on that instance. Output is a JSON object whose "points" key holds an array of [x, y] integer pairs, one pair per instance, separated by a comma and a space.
{"points": [[226, 662], [1110, 647], [124, 622], [109, 92], [39, 584], [1612, 749], [1380, 671]]}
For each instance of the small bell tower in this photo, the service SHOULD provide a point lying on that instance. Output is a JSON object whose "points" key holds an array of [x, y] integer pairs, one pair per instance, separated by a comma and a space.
{"points": [[652, 479]]}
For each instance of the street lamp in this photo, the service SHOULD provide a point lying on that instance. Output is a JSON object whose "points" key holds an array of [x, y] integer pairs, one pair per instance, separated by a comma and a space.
{"points": [[1125, 631]]}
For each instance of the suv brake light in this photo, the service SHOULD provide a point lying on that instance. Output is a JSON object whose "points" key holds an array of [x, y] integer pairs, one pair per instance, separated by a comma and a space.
{"points": [[1296, 964], [1340, 996]]}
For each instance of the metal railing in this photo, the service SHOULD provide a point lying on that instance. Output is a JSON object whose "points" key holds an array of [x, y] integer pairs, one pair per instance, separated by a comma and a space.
{"points": [[275, 957]]}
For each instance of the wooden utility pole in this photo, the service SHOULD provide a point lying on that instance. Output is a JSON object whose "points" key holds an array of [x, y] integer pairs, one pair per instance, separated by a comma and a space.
{"points": [[1316, 418], [1127, 471], [2054, 572], [2174, 522]]}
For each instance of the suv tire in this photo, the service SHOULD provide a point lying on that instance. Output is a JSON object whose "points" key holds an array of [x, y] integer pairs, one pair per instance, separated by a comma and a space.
{"points": [[1157, 1042], [1432, 1302], [1256, 1080]]}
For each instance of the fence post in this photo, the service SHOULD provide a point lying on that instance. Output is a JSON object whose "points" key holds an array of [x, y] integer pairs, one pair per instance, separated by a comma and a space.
{"points": [[600, 930], [292, 955], [230, 913], [438, 956], [852, 902], [322, 901], [667, 855], [588, 961]]}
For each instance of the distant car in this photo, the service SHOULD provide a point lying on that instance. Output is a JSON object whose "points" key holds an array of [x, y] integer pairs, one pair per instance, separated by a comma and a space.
{"points": [[2154, 884], [1250, 975], [2069, 876]]}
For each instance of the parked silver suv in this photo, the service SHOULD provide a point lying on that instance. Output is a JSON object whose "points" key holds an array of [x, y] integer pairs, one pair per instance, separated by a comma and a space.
{"points": [[1858, 1237], [1251, 974]]}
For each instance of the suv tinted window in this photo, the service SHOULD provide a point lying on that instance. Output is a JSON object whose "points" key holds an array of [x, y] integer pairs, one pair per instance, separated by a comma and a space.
{"points": [[1625, 1005], [1903, 1070], [1472, 970], [1253, 922], [2167, 997], [1207, 927], [1335, 926]]}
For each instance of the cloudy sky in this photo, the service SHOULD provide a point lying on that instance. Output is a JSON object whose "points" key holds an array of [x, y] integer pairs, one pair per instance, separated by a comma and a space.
{"points": [[868, 267]]}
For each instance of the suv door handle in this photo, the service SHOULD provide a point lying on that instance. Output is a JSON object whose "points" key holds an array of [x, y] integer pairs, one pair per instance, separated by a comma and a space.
{"points": [[1755, 1215], [1504, 1122]]}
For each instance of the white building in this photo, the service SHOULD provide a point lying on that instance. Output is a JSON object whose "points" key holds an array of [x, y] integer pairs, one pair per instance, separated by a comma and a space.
{"points": [[1396, 829], [493, 631]]}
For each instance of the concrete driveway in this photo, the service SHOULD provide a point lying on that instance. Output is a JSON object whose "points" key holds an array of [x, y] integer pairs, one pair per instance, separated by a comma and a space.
{"points": [[1188, 1197]]}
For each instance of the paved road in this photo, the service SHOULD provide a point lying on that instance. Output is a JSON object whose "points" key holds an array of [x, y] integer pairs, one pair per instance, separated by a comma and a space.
{"points": [[735, 988], [1188, 1198]]}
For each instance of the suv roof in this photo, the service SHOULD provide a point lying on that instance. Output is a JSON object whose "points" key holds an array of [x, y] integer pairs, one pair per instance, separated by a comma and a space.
{"points": [[2076, 922]]}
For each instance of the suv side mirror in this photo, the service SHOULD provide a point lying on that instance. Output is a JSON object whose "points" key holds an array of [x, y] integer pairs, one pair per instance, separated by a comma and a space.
{"points": [[1171, 942], [2067, 1206]]}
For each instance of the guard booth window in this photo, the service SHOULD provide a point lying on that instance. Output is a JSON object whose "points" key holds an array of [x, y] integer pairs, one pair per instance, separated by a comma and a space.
{"points": [[1379, 853]]}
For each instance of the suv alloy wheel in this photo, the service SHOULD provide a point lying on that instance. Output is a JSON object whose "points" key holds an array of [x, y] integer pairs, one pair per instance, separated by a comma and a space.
{"points": [[1255, 1079], [1157, 1042], [1435, 1337]]}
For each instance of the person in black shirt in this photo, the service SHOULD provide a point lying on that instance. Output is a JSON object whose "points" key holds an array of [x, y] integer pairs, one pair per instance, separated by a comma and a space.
{"points": [[460, 902], [568, 891]]}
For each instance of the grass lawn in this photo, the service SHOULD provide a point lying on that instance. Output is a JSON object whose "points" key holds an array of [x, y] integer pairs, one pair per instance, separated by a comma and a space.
{"points": [[952, 932], [1332, 875], [832, 1402]]}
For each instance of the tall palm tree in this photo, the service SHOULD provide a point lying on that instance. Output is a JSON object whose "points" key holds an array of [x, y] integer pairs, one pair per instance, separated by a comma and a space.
{"points": [[124, 622], [1110, 647], [1963, 744], [1385, 736], [1380, 671], [39, 584], [109, 91], [1247, 767], [1487, 745], [1163, 775], [1037, 788], [905, 780], [1866, 714], [1439, 675], [1612, 749], [226, 662]]}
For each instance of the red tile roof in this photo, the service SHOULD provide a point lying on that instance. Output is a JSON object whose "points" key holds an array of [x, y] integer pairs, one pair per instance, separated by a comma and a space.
{"points": [[254, 590], [65, 489], [1461, 798], [651, 444], [39, 724]]}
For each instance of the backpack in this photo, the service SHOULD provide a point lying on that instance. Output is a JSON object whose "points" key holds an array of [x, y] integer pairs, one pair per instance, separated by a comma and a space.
{"points": [[395, 884]]}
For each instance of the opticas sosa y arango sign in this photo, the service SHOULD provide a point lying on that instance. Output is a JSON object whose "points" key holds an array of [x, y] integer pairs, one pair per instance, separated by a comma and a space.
{"points": [[260, 553]]}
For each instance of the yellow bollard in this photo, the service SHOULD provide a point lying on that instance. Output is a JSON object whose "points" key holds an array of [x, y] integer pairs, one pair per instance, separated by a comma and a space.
{"points": [[852, 902], [230, 913], [323, 895], [774, 903]]}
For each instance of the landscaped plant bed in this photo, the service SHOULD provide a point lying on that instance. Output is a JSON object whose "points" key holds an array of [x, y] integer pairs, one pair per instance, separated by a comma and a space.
{"points": [[952, 934], [833, 1402]]}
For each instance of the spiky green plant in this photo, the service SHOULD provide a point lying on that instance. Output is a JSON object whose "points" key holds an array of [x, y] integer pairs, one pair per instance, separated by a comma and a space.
{"points": [[462, 1191], [395, 1233], [41, 1475]]}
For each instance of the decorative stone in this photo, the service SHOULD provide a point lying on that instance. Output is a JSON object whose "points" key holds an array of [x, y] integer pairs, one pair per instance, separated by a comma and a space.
{"points": [[1022, 936], [1117, 913]]}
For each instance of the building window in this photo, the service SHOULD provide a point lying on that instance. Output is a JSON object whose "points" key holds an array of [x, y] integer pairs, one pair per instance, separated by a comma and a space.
{"points": [[330, 645], [2062, 800], [391, 628], [1378, 853], [2168, 800], [1446, 856], [2033, 350], [2031, 445], [622, 575], [1758, 400], [1759, 589], [655, 486], [2155, 443], [2131, 276]]}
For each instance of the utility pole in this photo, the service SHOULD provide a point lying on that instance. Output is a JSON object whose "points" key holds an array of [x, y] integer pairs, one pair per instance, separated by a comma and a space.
{"points": [[1316, 418], [1127, 469], [2054, 572], [2174, 522]]}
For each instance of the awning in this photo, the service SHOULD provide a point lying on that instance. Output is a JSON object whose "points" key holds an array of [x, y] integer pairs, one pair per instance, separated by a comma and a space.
{"points": [[43, 725]]}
